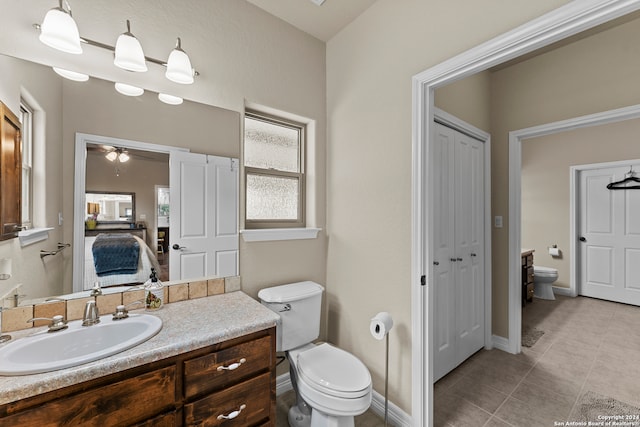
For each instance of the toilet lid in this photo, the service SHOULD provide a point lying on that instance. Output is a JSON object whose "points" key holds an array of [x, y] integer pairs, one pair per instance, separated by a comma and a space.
{"points": [[544, 271], [332, 369]]}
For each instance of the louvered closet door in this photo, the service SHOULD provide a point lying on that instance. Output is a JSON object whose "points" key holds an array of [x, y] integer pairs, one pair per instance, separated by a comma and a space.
{"points": [[458, 249]]}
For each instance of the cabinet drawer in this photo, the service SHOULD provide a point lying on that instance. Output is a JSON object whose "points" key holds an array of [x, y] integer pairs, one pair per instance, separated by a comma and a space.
{"points": [[120, 403], [249, 401], [225, 367]]}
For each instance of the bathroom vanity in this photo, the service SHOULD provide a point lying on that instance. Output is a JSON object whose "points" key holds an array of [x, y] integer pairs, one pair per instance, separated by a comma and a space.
{"points": [[213, 362]]}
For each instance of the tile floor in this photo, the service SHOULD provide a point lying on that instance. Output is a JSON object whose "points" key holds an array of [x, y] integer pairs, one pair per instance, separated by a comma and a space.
{"points": [[588, 345]]}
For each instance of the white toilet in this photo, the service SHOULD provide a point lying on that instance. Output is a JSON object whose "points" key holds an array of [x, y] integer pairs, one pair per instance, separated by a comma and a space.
{"points": [[543, 279], [332, 386]]}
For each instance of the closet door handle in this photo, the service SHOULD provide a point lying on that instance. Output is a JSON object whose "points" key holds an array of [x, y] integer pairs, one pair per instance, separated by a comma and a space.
{"points": [[473, 254], [458, 259], [582, 239], [452, 259]]}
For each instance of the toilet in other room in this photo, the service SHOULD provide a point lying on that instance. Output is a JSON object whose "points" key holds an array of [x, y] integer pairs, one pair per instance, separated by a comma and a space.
{"points": [[543, 280], [331, 385]]}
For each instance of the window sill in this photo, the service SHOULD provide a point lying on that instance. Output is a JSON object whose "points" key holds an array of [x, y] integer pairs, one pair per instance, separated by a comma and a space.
{"points": [[33, 235], [273, 234]]}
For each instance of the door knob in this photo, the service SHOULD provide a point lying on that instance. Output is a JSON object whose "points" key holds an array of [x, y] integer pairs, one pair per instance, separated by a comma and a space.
{"points": [[582, 239], [178, 247]]}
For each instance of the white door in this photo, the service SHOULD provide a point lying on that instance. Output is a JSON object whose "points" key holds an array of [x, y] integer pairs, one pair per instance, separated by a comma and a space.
{"points": [[469, 245], [204, 216], [609, 240], [458, 248]]}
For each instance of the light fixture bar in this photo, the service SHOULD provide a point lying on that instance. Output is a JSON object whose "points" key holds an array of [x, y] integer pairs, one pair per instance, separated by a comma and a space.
{"points": [[113, 49]]}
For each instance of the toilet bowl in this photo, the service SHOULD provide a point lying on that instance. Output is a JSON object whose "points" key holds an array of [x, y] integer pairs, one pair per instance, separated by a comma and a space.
{"points": [[543, 279], [331, 385]]}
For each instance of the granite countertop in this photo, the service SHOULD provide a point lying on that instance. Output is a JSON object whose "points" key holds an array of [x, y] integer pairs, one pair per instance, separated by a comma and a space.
{"points": [[187, 325]]}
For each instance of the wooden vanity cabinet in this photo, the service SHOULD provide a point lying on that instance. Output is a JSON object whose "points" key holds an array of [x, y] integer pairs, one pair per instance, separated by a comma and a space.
{"points": [[232, 382], [527, 276]]}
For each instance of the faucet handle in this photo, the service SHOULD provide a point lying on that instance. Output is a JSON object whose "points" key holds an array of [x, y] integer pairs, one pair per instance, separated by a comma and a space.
{"points": [[122, 312], [57, 322]]}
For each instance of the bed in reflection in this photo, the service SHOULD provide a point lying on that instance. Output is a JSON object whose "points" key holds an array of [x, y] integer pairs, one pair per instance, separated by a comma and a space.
{"points": [[117, 259]]}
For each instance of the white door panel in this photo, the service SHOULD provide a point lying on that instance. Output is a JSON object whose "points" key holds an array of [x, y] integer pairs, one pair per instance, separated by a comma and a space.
{"points": [[609, 251], [458, 248], [204, 216]]}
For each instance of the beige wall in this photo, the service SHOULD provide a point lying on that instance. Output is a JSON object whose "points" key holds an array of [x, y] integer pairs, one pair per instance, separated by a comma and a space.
{"points": [[37, 275], [546, 188], [369, 70], [468, 99]]}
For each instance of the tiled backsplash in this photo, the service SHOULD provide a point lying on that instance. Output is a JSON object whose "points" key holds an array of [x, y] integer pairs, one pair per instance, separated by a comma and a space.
{"points": [[16, 318]]}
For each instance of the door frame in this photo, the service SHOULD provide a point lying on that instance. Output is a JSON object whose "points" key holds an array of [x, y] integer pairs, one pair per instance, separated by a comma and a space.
{"points": [[556, 25], [575, 261], [79, 188], [468, 129]]}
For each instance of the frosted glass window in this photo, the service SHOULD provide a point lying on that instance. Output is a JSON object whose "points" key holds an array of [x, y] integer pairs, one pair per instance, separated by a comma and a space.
{"points": [[271, 197], [274, 172], [271, 146]]}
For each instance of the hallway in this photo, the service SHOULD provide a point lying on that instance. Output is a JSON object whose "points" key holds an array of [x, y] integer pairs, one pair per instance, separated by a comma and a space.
{"points": [[583, 368]]}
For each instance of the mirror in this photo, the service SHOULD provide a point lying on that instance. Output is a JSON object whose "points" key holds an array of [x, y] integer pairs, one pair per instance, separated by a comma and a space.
{"points": [[108, 209], [94, 107]]}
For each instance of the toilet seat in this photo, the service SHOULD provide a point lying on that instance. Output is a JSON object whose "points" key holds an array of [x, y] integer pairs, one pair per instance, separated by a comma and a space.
{"points": [[544, 271], [333, 371]]}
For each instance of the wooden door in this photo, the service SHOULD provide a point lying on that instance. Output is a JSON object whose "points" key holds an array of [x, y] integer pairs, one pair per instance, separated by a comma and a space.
{"points": [[10, 175]]}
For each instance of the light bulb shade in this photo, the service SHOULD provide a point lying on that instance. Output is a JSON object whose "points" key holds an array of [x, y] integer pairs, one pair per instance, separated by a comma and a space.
{"points": [[129, 55], [179, 68], [129, 90], [71, 75], [123, 157], [170, 99], [111, 156], [59, 31]]}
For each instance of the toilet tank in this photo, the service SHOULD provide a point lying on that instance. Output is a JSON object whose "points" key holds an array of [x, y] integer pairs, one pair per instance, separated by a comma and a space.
{"points": [[298, 305]]}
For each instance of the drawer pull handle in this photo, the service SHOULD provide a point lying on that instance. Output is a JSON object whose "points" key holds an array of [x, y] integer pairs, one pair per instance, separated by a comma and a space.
{"points": [[233, 366], [233, 414]]}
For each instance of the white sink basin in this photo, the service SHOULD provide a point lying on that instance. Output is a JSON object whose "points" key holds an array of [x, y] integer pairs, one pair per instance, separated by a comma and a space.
{"points": [[49, 351]]}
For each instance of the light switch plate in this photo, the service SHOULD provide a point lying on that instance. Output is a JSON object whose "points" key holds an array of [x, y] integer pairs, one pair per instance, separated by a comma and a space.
{"points": [[497, 222]]}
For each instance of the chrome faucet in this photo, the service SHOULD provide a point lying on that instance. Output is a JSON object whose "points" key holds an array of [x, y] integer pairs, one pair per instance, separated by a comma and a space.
{"points": [[91, 315]]}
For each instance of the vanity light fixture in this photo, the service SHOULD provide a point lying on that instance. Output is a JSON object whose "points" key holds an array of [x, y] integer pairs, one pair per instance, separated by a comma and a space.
{"points": [[129, 90], [128, 52], [170, 99], [179, 66], [59, 30], [71, 75]]}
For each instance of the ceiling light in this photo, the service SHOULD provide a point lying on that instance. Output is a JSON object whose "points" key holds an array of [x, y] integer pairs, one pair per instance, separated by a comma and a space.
{"points": [[129, 55], [318, 2], [71, 75], [59, 30], [129, 90], [179, 66], [119, 154], [170, 99]]}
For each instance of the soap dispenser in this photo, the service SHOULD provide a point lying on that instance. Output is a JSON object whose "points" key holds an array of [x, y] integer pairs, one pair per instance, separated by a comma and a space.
{"points": [[153, 292]]}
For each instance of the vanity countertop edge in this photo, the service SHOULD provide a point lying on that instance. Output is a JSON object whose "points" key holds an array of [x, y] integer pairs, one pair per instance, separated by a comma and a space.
{"points": [[187, 325]]}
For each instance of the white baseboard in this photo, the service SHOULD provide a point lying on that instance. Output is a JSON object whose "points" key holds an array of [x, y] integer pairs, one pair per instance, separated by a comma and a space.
{"points": [[501, 343], [395, 415], [564, 291]]}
